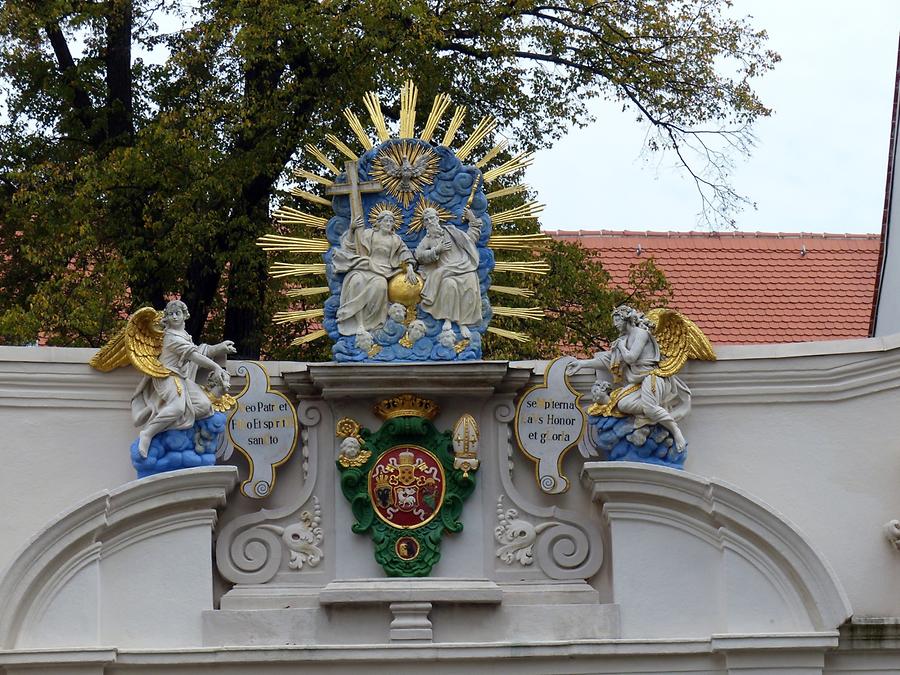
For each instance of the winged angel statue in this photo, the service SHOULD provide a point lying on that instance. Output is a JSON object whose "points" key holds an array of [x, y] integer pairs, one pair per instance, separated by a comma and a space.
{"points": [[168, 396], [642, 364]]}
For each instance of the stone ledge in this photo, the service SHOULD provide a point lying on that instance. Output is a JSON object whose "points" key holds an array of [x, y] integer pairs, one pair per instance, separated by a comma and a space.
{"points": [[471, 378], [433, 590]]}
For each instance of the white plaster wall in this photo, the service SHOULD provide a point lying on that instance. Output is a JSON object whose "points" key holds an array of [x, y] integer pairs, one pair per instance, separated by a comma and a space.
{"points": [[810, 429]]}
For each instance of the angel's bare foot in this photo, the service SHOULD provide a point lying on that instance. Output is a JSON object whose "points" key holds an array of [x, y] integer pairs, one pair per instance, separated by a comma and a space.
{"points": [[144, 439], [465, 332]]}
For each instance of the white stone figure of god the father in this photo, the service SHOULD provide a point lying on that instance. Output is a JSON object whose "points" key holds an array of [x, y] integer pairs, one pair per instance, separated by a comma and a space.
{"points": [[448, 261], [369, 258]]}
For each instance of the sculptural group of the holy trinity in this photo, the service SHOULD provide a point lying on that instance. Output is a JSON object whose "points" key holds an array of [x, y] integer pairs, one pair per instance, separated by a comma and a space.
{"points": [[447, 259]]}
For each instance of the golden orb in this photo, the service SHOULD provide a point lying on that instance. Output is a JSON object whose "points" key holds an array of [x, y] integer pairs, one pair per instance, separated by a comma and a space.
{"points": [[407, 294]]}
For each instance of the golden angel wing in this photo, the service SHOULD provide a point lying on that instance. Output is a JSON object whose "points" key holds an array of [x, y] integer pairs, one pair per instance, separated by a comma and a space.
{"points": [[113, 354], [679, 339], [144, 339]]}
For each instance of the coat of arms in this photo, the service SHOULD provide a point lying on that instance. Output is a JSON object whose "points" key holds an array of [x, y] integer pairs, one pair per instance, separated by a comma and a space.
{"points": [[406, 482]]}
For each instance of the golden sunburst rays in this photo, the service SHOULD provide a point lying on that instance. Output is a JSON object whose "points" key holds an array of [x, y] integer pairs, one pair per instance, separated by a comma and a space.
{"points": [[373, 106], [517, 163], [280, 270], [342, 147], [313, 177], [404, 168], [509, 334], [321, 158], [527, 211], [438, 108], [533, 313], [310, 197], [299, 315], [418, 221], [485, 126], [493, 152], [512, 290], [539, 267], [309, 337], [519, 242], [408, 95], [305, 292], [359, 131], [277, 242], [505, 192], [389, 207], [455, 123], [286, 215]]}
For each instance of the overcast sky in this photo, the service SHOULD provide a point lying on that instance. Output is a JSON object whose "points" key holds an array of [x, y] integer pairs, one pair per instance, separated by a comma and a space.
{"points": [[821, 159]]}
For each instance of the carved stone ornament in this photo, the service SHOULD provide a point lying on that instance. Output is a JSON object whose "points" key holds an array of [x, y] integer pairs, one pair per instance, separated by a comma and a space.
{"points": [[516, 536], [303, 538], [180, 419]]}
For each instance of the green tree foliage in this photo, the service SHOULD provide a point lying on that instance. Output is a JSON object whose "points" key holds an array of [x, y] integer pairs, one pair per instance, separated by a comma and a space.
{"points": [[125, 179]]}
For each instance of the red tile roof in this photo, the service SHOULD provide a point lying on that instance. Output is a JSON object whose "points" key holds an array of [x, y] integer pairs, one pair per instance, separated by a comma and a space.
{"points": [[754, 287]]}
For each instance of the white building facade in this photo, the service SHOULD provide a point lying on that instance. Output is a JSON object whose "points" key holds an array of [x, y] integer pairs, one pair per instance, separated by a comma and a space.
{"points": [[773, 552]]}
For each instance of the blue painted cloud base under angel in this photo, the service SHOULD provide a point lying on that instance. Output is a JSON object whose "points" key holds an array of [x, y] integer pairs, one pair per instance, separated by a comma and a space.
{"points": [[618, 439], [181, 448], [453, 186]]}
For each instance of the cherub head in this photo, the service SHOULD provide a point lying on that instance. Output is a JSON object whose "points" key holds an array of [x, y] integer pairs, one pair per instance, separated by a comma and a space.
{"points": [[416, 330], [364, 340], [218, 382], [447, 338], [176, 312], [349, 447], [397, 312]]}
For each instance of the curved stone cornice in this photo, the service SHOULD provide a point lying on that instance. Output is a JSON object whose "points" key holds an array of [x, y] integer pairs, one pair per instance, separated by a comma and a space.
{"points": [[101, 526], [707, 529], [806, 372]]}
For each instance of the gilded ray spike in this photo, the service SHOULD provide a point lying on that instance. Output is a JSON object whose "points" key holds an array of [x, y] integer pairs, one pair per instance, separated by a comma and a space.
{"points": [[485, 126], [322, 159], [519, 242], [279, 270], [277, 242], [310, 197], [527, 267], [493, 152], [455, 123], [505, 192], [309, 337], [510, 166], [342, 147], [304, 292], [535, 313], [438, 108], [291, 216], [512, 290], [309, 175], [294, 317], [358, 129], [373, 105], [408, 96], [509, 334], [521, 212]]}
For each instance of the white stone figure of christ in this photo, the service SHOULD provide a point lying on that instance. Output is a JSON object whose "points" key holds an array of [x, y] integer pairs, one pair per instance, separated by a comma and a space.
{"points": [[176, 401], [448, 262], [369, 257]]}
